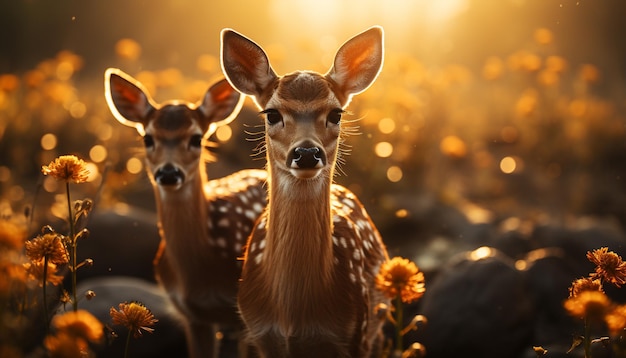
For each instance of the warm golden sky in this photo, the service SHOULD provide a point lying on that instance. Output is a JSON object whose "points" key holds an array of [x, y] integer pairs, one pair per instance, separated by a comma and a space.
{"points": [[175, 33]]}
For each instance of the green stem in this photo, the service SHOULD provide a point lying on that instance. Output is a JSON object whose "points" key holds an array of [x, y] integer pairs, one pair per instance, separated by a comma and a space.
{"points": [[45, 299], [72, 247], [127, 344], [399, 323]]}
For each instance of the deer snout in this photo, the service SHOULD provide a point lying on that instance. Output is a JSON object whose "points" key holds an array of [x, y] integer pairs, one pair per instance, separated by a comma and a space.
{"points": [[169, 174], [306, 158]]}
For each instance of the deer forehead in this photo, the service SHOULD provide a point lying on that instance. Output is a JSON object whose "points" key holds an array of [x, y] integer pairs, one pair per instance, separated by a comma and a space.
{"points": [[304, 92], [177, 117]]}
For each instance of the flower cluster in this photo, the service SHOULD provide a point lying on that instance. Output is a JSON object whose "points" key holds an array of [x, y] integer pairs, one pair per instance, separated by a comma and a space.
{"points": [[75, 330], [588, 301], [134, 316], [68, 168], [401, 280], [26, 265], [401, 277]]}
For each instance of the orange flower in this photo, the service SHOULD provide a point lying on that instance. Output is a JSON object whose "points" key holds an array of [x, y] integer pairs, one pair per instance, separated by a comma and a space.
{"points": [[134, 316], [616, 319], [68, 168], [584, 284], [588, 304], [35, 272], [400, 276], [79, 324], [63, 345], [48, 245], [609, 266]]}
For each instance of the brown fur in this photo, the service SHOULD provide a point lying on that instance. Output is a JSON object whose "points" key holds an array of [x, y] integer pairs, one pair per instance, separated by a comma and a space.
{"points": [[202, 223], [307, 287]]}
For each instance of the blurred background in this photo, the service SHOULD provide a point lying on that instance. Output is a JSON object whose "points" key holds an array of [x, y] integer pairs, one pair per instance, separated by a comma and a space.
{"points": [[499, 108], [490, 117]]}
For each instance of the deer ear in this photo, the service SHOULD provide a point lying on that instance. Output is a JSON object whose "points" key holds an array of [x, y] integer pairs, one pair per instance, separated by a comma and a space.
{"points": [[221, 104], [358, 62], [127, 99], [245, 64]]}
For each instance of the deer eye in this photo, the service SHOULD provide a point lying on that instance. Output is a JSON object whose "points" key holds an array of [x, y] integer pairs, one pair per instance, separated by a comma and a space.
{"points": [[148, 141], [334, 116], [195, 141], [272, 116]]}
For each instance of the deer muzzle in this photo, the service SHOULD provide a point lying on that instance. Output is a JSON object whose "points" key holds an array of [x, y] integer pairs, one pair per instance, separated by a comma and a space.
{"points": [[169, 175]]}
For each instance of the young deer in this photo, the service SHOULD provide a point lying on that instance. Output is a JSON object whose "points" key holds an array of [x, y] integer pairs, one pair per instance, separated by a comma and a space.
{"points": [[307, 287], [203, 224]]}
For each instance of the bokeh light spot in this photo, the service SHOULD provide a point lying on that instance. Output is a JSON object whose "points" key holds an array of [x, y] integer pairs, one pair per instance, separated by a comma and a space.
{"points": [[223, 133], [104, 132], [16, 193], [134, 165], [394, 174], [98, 153], [386, 125], [481, 253], [508, 165], [543, 36], [128, 49], [50, 184], [453, 146], [78, 109], [48, 141], [94, 172], [65, 70], [208, 64], [402, 213], [509, 134], [5, 174], [383, 149]]}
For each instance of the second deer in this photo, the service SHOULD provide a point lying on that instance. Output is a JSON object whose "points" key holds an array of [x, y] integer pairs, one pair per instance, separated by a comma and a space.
{"points": [[307, 287], [203, 224]]}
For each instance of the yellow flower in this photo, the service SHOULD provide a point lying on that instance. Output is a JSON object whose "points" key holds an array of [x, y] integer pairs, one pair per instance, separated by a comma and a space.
{"points": [[134, 316], [79, 324], [400, 276], [48, 245], [35, 272], [616, 319], [609, 266], [584, 284], [588, 304], [12, 235], [68, 168]]}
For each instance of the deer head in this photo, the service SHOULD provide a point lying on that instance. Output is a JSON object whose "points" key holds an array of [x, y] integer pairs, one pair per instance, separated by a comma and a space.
{"points": [[303, 109], [173, 132]]}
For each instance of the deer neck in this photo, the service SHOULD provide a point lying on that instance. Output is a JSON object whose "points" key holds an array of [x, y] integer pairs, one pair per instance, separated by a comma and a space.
{"points": [[183, 218], [299, 236]]}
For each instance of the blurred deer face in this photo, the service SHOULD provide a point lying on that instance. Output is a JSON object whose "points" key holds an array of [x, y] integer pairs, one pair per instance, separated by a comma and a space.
{"points": [[173, 143], [173, 131]]}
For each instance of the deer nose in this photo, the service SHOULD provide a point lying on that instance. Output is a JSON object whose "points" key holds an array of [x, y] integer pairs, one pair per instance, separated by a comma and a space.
{"points": [[306, 158], [169, 174]]}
